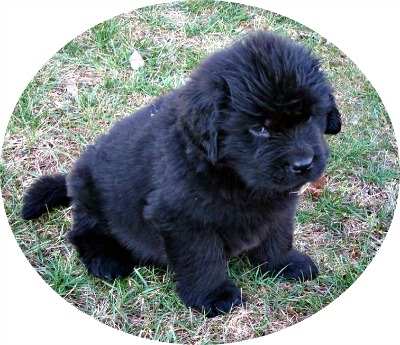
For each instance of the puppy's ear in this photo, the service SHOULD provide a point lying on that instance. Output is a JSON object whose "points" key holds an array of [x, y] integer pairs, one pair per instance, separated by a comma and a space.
{"points": [[210, 136], [334, 120], [207, 102]]}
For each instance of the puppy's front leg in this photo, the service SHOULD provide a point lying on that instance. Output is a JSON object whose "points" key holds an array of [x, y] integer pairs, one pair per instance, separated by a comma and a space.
{"points": [[277, 256], [198, 261]]}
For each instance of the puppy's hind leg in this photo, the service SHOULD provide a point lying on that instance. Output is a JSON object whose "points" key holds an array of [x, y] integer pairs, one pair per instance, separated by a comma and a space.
{"points": [[102, 254], [98, 249]]}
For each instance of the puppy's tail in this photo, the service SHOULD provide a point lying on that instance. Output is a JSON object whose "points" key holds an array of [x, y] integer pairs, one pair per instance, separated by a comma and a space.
{"points": [[44, 194]]}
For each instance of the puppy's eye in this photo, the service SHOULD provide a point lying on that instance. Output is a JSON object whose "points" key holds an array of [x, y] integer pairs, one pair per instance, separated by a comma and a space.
{"points": [[260, 132]]}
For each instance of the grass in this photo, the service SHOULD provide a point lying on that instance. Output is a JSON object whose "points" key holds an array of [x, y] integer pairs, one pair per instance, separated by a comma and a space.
{"points": [[89, 85]]}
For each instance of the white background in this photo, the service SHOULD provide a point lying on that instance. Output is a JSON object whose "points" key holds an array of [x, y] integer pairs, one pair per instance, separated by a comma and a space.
{"points": [[366, 31]]}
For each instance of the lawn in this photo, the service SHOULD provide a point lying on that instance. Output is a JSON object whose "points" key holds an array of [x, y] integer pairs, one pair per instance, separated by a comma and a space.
{"points": [[89, 84]]}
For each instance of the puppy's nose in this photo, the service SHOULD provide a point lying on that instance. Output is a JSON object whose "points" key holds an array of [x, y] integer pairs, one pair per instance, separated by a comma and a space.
{"points": [[301, 165]]}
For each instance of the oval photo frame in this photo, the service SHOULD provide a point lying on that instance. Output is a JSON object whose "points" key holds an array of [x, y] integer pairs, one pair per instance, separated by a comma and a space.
{"points": [[30, 129]]}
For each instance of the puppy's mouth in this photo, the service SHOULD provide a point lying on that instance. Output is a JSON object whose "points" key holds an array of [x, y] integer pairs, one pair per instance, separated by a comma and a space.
{"points": [[295, 183], [299, 188]]}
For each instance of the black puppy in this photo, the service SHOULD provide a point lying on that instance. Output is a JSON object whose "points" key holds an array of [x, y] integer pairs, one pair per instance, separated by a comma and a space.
{"points": [[204, 173]]}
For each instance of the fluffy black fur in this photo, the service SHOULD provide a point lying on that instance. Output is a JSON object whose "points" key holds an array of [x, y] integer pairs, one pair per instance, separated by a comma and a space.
{"points": [[204, 173], [49, 192]]}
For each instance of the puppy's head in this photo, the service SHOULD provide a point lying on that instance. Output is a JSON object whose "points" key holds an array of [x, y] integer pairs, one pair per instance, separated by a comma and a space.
{"points": [[261, 108]]}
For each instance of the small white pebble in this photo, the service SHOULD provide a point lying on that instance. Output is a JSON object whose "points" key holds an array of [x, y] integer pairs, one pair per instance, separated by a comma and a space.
{"points": [[72, 89], [136, 60]]}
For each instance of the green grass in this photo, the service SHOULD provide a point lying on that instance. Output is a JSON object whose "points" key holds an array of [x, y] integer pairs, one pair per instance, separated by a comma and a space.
{"points": [[88, 85], [224, 18]]}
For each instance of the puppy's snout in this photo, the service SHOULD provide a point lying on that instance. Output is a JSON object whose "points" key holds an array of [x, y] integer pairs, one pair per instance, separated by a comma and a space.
{"points": [[300, 165]]}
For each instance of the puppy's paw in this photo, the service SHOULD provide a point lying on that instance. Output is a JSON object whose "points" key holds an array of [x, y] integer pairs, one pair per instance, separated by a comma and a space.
{"points": [[299, 267], [222, 300], [108, 267]]}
